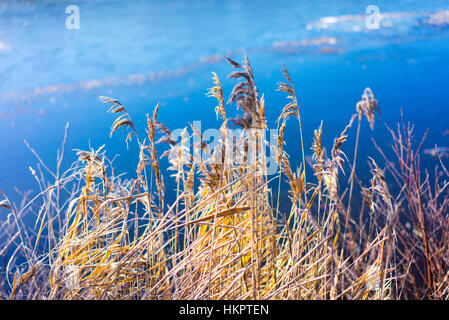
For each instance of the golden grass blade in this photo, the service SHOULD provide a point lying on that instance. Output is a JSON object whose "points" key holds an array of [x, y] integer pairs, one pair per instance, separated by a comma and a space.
{"points": [[225, 213]]}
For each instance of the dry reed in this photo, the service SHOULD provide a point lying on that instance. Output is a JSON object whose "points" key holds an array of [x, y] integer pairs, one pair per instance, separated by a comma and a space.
{"points": [[98, 236]]}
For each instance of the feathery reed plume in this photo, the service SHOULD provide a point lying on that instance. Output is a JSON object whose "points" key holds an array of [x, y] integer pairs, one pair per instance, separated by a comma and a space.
{"points": [[123, 120], [367, 106], [246, 96], [292, 108], [318, 150], [379, 185], [96, 157], [154, 159], [167, 136], [337, 153], [331, 167], [295, 180], [280, 140], [217, 92]]}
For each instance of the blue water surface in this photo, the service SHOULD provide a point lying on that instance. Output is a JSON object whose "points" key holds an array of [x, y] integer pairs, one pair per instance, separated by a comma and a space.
{"points": [[145, 52]]}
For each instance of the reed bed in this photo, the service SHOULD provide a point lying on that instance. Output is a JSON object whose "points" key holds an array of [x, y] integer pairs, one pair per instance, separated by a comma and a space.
{"points": [[99, 236]]}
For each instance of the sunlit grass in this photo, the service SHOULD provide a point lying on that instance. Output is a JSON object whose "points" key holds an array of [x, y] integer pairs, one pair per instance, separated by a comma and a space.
{"points": [[98, 236]]}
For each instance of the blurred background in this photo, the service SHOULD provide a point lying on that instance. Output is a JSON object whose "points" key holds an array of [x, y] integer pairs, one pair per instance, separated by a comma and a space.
{"points": [[57, 57]]}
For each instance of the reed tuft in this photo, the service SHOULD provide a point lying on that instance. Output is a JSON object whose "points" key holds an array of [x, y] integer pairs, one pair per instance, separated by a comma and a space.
{"points": [[225, 231]]}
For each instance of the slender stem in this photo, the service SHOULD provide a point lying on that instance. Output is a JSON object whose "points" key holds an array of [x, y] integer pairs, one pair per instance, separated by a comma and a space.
{"points": [[351, 178], [303, 158]]}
